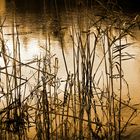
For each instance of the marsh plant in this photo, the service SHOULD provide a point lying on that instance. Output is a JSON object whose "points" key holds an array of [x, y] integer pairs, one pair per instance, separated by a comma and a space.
{"points": [[89, 106]]}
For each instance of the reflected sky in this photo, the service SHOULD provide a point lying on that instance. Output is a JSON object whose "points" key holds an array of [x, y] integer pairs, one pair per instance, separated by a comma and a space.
{"points": [[2, 7]]}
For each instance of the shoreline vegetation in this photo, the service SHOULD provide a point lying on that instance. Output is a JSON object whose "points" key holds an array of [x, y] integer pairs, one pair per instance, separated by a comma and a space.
{"points": [[95, 94]]}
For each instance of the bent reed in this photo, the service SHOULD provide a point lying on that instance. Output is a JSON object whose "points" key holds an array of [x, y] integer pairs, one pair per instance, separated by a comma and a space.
{"points": [[89, 106]]}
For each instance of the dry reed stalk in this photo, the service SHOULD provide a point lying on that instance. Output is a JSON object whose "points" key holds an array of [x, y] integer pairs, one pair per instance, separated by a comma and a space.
{"points": [[86, 104]]}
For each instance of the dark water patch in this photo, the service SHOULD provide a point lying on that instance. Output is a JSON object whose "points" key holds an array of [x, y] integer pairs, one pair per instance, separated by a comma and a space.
{"points": [[30, 6], [129, 5], [50, 5], [41, 5]]}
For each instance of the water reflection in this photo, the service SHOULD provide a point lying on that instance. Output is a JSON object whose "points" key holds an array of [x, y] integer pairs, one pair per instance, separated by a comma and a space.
{"points": [[37, 21], [2, 7]]}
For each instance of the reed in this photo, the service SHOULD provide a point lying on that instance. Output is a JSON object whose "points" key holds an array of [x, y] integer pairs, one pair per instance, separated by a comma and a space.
{"points": [[90, 105]]}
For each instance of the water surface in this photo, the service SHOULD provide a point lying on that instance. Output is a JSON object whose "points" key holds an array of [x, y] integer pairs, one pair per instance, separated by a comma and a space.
{"points": [[40, 22]]}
